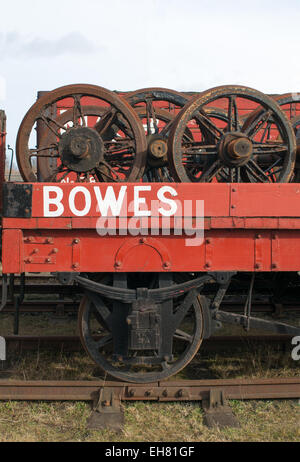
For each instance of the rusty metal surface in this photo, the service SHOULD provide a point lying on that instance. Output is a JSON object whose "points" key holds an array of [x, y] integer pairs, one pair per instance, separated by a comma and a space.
{"points": [[188, 390]]}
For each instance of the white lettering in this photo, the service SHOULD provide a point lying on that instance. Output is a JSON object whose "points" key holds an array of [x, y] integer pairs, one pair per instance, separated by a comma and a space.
{"points": [[56, 201], [87, 197], [110, 201], [161, 196], [140, 201]]}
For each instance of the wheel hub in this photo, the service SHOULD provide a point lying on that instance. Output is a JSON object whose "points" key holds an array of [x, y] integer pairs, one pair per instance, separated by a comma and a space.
{"points": [[235, 149], [157, 151], [81, 149]]}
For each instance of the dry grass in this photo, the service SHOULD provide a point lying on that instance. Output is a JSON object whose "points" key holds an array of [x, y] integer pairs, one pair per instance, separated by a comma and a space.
{"points": [[260, 421]]}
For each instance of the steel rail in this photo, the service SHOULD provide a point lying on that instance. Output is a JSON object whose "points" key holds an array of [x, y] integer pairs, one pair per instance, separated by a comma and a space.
{"points": [[72, 342], [186, 390], [70, 306]]}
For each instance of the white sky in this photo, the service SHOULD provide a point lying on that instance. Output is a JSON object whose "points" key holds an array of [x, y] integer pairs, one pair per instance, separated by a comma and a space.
{"points": [[131, 44]]}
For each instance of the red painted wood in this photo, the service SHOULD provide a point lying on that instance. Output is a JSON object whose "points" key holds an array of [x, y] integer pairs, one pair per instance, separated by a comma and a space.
{"points": [[262, 233]]}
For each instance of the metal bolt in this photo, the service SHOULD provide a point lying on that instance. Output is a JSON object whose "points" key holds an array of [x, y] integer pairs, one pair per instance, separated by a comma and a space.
{"points": [[233, 190], [166, 264], [208, 264], [274, 265], [258, 236], [257, 265], [142, 240], [28, 260], [208, 241], [76, 265], [233, 206], [76, 241], [49, 240], [118, 264], [48, 260], [55, 250], [35, 250]]}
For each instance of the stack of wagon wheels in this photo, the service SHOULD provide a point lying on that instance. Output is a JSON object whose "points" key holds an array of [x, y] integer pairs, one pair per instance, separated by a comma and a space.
{"points": [[228, 134]]}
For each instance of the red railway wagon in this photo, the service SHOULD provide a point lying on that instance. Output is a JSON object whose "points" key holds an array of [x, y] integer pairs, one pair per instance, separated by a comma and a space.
{"points": [[145, 251]]}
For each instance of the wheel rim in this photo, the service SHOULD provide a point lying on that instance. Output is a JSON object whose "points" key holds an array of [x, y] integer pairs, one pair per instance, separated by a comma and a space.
{"points": [[118, 114], [246, 160]]}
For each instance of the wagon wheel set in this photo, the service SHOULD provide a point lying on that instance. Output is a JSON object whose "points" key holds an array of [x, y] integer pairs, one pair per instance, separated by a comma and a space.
{"points": [[146, 327], [226, 134]]}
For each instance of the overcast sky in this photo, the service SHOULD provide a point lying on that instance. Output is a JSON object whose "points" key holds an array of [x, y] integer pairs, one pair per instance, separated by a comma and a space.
{"points": [[130, 44]]}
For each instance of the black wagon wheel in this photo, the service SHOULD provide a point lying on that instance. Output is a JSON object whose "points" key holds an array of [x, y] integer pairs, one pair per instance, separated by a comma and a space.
{"points": [[238, 152], [105, 331], [81, 149]]}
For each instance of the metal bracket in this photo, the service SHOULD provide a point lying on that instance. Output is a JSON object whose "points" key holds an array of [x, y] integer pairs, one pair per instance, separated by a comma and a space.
{"points": [[217, 410], [222, 277], [65, 278], [107, 412]]}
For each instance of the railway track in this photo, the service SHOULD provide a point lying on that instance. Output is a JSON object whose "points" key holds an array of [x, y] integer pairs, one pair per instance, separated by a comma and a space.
{"points": [[187, 390], [71, 306], [71, 343]]}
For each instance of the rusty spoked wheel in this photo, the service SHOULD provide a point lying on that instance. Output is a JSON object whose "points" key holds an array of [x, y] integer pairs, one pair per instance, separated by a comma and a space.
{"points": [[157, 108], [296, 127], [289, 103], [175, 327], [47, 165], [113, 149], [157, 169], [239, 152]]}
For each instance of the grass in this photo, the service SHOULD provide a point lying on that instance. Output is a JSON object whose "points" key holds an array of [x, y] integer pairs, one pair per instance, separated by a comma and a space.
{"points": [[260, 421]]}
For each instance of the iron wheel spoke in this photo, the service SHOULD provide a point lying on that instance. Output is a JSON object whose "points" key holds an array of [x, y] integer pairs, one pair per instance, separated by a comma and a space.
{"points": [[257, 172], [78, 112], [181, 335]]}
